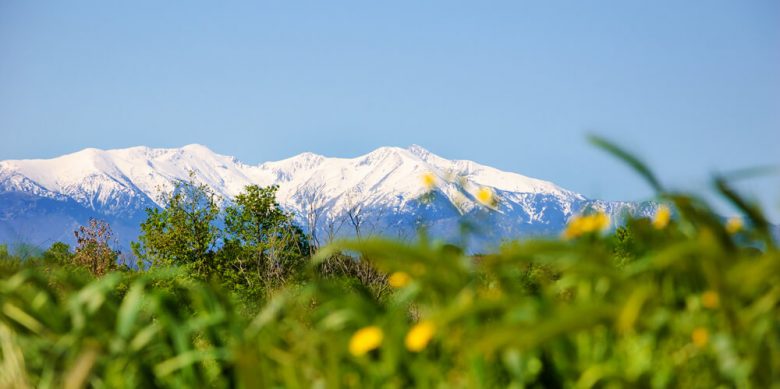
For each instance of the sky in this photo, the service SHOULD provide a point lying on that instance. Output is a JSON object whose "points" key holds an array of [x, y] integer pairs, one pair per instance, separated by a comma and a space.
{"points": [[692, 87]]}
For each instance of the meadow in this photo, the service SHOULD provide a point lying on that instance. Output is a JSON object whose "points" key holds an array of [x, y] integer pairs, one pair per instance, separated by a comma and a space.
{"points": [[686, 298]]}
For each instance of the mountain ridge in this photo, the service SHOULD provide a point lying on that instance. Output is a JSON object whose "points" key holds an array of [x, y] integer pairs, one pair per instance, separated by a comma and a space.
{"points": [[385, 184]]}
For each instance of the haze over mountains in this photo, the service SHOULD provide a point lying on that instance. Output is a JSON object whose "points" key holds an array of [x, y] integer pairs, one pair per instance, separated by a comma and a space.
{"points": [[43, 201]]}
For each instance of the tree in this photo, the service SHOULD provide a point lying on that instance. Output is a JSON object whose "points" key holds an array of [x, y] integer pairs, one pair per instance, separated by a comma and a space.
{"points": [[183, 233], [93, 248], [312, 202], [355, 210], [58, 253], [333, 224], [262, 246]]}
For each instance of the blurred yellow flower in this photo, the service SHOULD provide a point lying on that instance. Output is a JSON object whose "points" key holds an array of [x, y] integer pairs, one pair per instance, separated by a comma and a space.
{"points": [[365, 340], [419, 336], [662, 217], [580, 225], [734, 225], [399, 279], [710, 299], [485, 196], [428, 181], [700, 336]]}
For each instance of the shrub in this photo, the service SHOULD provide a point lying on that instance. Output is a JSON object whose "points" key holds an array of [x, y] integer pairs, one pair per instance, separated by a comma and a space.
{"points": [[684, 301]]}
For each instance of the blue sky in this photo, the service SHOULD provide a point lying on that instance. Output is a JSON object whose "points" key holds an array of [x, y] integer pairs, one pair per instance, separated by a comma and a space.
{"points": [[693, 87]]}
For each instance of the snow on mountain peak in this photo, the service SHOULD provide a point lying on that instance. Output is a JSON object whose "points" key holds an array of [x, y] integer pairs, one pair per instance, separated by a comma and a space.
{"points": [[385, 183], [419, 151], [386, 174], [198, 149]]}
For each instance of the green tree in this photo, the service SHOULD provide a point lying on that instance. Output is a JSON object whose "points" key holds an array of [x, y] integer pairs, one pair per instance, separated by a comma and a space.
{"points": [[58, 253], [262, 245], [183, 233]]}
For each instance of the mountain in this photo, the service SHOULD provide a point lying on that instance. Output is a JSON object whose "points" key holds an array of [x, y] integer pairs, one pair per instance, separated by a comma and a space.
{"points": [[43, 200]]}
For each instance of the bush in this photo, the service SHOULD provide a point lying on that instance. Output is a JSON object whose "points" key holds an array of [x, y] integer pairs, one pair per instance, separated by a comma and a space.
{"points": [[684, 301]]}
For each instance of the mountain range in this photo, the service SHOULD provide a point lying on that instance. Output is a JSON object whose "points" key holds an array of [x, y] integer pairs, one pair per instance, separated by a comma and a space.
{"points": [[382, 192]]}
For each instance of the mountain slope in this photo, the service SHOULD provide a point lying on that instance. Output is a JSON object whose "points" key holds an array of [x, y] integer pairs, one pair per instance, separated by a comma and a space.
{"points": [[382, 191]]}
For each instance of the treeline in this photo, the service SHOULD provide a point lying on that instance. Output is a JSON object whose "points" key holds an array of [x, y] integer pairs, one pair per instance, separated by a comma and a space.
{"points": [[249, 247], [681, 299]]}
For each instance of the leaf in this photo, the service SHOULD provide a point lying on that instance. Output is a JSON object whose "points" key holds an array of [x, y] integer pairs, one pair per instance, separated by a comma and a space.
{"points": [[129, 309], [188, 358], [78, 374], [22, 317], [753, 211]]}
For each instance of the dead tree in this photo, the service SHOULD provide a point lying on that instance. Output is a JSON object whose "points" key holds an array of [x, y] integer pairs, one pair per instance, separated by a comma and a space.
{"points": [[354, 211], [93, 248], [333, 224], [312, 202]]}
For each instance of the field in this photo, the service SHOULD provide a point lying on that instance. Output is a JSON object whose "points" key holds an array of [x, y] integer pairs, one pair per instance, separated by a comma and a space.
{"points": [[683, 299]]}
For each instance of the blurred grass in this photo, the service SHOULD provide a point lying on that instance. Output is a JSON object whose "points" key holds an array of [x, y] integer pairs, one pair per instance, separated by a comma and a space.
{"points": [[686, 302]]}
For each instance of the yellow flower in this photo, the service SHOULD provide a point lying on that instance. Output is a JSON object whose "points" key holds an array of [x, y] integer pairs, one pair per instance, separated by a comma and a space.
{"points": [[485, 196], [710, 299], [365, 340], [662, 216], [734, 225], [580, 225], [419, 336], [428, 181], [399, 279], [574, 228], [700, 336]]}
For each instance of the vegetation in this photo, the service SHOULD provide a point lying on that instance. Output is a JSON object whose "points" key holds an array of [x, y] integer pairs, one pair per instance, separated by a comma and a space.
{"points": [[682, 299], [183, 233], [93, 248], [259, 247], [262, 247]]}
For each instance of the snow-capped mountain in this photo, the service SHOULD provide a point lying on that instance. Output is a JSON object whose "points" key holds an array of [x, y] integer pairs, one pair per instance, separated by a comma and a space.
{"points": [[42, 201]]}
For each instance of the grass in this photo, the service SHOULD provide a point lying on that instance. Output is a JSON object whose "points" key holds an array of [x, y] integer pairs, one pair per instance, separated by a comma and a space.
{"points": [[691, 301]]}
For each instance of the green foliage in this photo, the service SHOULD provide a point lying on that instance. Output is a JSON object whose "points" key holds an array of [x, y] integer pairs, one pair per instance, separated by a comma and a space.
{"points": [[81, 331], [183, 233], [262, 247], [58, 253], [684, 302], [9, 264], [692, 308], [258, 249]]}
